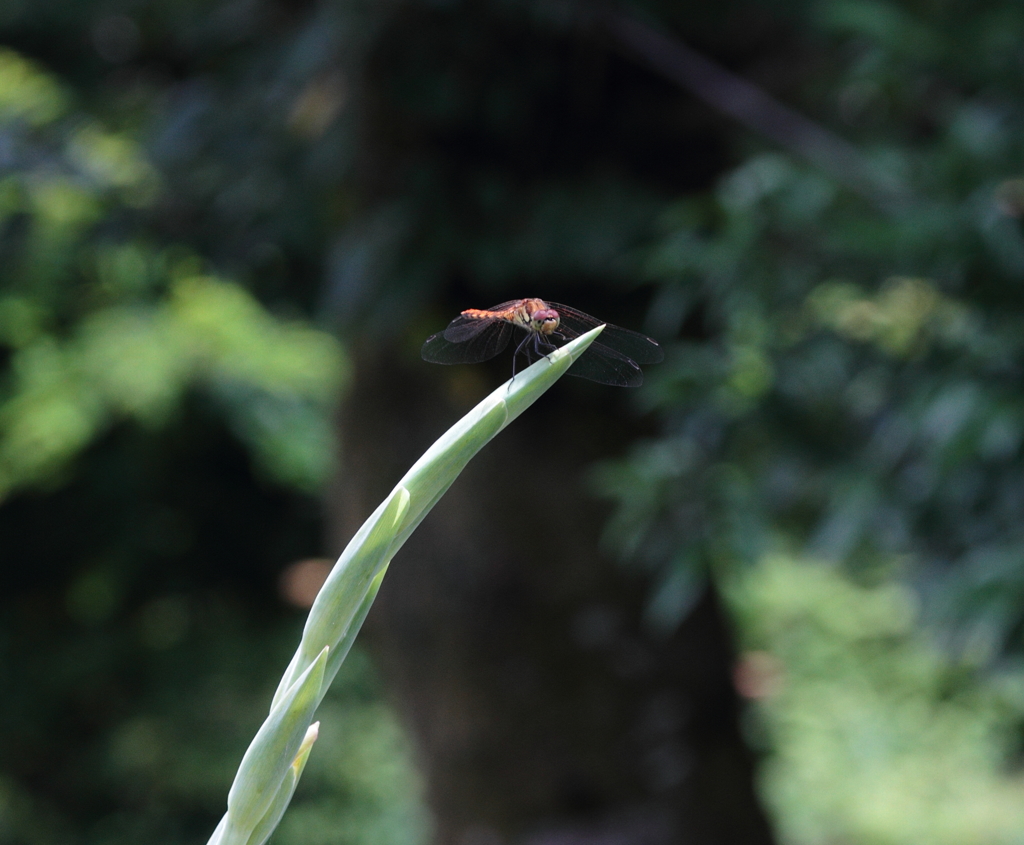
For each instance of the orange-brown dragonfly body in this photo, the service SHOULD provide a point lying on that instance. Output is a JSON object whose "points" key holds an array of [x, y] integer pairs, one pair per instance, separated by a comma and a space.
{"points": [[479, 334]]}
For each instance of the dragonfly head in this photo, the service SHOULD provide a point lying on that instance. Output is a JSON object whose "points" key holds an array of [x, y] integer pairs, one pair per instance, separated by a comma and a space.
{"points": [[544, 321]]}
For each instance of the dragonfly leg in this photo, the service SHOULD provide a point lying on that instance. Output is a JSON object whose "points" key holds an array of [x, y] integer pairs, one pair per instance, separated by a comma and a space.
{"points": [[543, 346], [519, 350]]}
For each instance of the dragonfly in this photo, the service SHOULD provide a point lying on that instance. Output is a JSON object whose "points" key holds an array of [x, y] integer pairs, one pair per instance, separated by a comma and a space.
{"points": [[479, 334]]}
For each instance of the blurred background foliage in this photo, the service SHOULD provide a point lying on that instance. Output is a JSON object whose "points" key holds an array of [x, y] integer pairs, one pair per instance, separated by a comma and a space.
{"points": [[204, 205], [873, 733]]}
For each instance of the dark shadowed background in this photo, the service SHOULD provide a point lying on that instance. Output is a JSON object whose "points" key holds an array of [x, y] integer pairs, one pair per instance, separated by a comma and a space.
{"points": [[775, 595]]}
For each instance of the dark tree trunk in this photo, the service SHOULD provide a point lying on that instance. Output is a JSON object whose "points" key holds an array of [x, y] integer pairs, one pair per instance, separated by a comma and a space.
{"points": [[543, 710]]}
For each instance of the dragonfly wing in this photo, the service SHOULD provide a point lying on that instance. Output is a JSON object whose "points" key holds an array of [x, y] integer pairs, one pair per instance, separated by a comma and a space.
{"points": [[464, 328], [486, 339], [634, 345], [606, 366]]}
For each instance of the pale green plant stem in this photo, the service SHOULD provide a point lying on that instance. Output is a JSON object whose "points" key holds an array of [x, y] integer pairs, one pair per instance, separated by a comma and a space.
{"points": [[272, 765]]}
